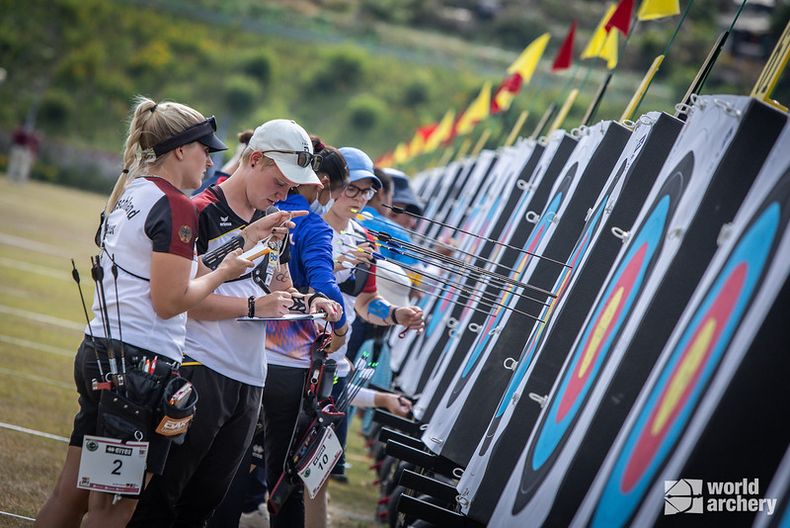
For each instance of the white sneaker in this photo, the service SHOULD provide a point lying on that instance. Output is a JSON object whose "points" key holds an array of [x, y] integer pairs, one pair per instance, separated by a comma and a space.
{"points": [[255, 519]]}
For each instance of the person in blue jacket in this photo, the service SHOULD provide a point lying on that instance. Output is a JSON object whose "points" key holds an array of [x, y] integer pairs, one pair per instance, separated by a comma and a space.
{"points": [[312, 265]]}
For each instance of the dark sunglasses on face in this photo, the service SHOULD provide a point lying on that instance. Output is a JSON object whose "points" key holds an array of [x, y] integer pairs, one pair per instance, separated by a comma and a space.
{"points": [[352, 191], [303, 158]]}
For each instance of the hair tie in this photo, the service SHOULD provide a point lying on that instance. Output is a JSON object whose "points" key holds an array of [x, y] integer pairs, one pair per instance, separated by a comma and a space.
{"points": [[125, 171], [154, 107]]}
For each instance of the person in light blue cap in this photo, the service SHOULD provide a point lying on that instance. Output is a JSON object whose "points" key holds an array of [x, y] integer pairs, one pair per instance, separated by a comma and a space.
{"points": [[360, 166]]}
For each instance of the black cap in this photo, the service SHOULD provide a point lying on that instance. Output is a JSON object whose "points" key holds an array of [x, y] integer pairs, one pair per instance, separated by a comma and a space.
{"points": [[402, 195], [202, 132]]}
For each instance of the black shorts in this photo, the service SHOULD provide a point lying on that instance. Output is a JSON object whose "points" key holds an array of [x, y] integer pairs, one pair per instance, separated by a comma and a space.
{"points": [[86, 370]]}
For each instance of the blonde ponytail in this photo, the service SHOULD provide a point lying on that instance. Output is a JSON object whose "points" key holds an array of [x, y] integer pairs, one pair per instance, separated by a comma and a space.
{"points": [[151, 123]]}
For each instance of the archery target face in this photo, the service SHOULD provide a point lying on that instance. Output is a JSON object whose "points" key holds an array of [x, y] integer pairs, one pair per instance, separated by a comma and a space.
{"points": [[609, 315], [458, 422], [697, 152], [597, 218], [692, 361], [441, 422]]}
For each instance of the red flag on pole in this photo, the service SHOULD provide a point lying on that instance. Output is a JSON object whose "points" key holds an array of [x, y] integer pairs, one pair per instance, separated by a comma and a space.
{"points": [[621, 18], [564, 56], [506, 92], [427, 130]]}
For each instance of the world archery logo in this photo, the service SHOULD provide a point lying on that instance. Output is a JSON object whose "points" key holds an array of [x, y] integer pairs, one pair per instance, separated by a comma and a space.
{"points": [[685, 496], [682, 496]]}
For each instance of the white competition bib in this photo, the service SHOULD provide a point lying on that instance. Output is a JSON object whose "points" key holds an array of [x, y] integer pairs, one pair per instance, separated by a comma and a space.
{"points": [[110, 466], [320, 465]]}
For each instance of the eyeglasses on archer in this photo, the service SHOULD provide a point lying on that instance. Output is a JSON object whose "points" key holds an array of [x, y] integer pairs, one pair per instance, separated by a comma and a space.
{"points": [[352, 191]]}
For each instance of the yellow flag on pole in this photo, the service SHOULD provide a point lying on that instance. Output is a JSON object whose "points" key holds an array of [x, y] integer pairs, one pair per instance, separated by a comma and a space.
{"points": [[526, 63], [441, 133], [477, 111], [609, 52], [401, 154], [603, 44], [653, 9], [416, 145]]}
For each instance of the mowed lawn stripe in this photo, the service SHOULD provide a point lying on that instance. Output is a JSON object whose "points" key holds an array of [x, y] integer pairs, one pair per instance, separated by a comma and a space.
{"points": [[42, 318], [29, 267], [36, 379], [38, 347]]}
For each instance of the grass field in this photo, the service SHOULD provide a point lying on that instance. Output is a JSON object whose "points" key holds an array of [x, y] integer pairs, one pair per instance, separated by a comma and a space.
{"points": [[41, 323]]}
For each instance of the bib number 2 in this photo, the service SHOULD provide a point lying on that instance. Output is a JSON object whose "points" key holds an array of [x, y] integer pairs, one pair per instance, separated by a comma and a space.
{"points": [[111, 466]]}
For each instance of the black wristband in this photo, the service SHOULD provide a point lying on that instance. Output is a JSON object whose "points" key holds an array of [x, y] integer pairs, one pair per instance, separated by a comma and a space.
{"points": [[215, 256], [251, 306], [340, 335], [313, 296], [392, 315]]}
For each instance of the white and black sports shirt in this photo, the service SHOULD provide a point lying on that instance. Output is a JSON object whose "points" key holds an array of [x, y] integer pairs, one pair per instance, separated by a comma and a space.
{"points": [[235, 349], [151, 216]]}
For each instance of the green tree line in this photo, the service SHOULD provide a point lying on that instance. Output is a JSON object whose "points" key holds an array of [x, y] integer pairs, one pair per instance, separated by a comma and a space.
{"points": [[76, 64]]}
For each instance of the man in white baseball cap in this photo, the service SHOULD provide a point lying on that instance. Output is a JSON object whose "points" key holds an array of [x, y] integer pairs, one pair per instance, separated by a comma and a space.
{"points": [[287, 143]]}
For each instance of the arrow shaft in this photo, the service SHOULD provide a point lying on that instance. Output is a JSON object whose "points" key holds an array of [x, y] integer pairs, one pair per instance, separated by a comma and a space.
{"points": [[494, 241], [439, 281], [422, 254], [432, 294]]}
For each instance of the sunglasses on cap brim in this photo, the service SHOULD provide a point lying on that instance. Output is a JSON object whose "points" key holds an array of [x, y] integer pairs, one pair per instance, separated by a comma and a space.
{"points": [[202, 132], [303, 158]]}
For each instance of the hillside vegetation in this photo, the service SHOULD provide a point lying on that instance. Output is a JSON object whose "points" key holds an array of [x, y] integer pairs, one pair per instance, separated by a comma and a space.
{"points": [[357, 72]]}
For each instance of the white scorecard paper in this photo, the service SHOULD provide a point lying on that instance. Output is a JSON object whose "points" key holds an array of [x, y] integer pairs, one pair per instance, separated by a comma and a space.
{"points": [[112, 466]]}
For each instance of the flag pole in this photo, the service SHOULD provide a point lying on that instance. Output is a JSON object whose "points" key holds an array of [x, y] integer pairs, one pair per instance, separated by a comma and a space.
{"points": [[481, 142], [547, 115], [702, 75], [593, 108], [465, 144], [596, 102], [651, 73], [446, 156], [769, 78], [564, 110], [511, 138]]}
